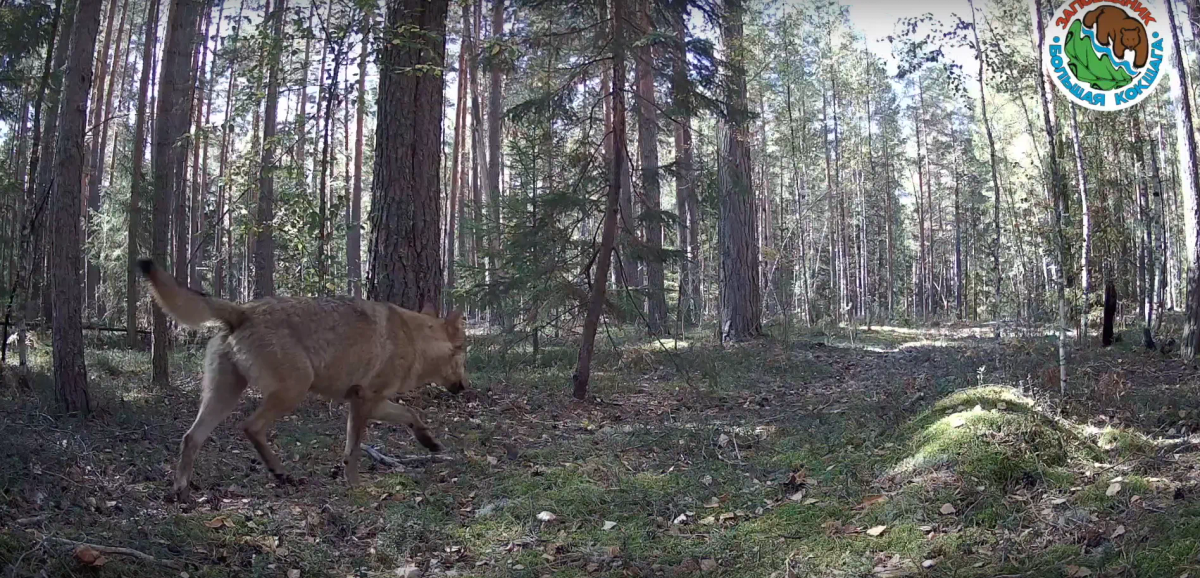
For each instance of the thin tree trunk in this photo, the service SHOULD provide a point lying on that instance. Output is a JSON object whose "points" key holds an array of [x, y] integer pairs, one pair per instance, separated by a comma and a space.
{"points": [[264, 244], [138, 176], [741, 300], [37, 199], [171, 120], [1056, 191], [495, 128], [199, 161], [685, 180], [460, 117], [223, 270], [406, 265], [992, 163], [1085, 252], [478, 160], [302, 114], [583, 368], [354, 227], [70, 374], [323, 188], [93, 158]]}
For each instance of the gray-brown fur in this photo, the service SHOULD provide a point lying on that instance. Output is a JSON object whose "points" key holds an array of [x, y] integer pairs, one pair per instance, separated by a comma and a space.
{"points": [[349, 349]]}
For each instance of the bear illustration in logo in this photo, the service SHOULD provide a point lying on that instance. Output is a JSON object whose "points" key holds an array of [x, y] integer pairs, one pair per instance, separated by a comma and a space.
{"points": [[1115, 29]]}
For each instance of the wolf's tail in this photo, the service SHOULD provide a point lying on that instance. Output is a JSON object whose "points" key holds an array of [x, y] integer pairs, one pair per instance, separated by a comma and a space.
{"points": [[189, 307]]}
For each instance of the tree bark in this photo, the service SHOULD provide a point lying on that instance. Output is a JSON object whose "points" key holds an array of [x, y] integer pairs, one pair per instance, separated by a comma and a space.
{"points": [[583, 368], [137, 177], [93, 158], [495, 128], [652, 230], [406, 265], [741, 299], [171, 120], [460, 118], [264, 244], [223, 269], [36, 200], [1058, 194], [1188, 180], [1085, 252], [685, 180], [200, 157], [70, 374], [354, 227]]}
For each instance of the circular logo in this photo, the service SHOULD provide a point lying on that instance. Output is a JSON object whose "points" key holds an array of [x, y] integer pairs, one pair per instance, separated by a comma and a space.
{"points": [[1106, 54]]}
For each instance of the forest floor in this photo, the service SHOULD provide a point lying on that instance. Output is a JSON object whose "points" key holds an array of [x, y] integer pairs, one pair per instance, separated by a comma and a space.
{"points": [[898, 452]]}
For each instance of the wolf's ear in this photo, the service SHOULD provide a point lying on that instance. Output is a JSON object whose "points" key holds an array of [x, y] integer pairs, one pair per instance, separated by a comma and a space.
{"points": [[455, 328], [428, 309]]}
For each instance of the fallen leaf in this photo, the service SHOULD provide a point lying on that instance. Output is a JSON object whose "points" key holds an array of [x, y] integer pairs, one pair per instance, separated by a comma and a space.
{"points": [[218, 522], [1058, 501], [722, 441], [810, 501], [708, 521], [870, 501], [713, 502], [609, 525], [492, 460], [727, 516], [89, 556], [947, 509], [708, 565], [1118, 531], [1002, 406], [875, 531], [293, 573], [796, 497], [1078, 571], [929, 563], [546, 516], [680, 519], [1113, 489], [706, 480]]}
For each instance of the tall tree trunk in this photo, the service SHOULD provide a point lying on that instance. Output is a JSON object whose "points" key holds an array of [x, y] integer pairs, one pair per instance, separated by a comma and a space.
{"points": [[264, 244], [323, 187], [137, 178], [223, 271], [199, 160], [685, 179], [171, 120], [647, 114], [181, 225], [478, 160], [354, 227], [1057, 192], [36, 199], [741, 300], [1188, 180], [302, 113], [70, 374], [406, 265], [583, 368], [495, 128], [95, 154], [1146, 216], [1085, 252], [992, 163], [460, 118]]}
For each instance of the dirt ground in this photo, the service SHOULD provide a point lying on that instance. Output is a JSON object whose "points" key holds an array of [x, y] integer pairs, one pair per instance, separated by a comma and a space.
{"points": [[890, 452]]}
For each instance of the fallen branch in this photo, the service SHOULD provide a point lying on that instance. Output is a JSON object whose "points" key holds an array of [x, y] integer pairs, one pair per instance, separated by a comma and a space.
{"points": [[32, 519], [401, 461], [121, 552]]}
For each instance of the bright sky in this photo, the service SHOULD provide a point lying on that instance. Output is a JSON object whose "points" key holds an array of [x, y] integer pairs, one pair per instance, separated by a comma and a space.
{"points": [[876, 19]]}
